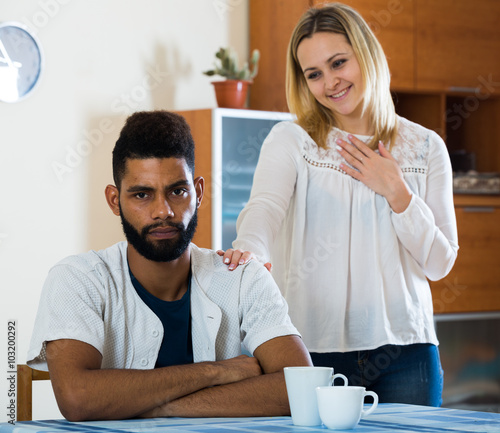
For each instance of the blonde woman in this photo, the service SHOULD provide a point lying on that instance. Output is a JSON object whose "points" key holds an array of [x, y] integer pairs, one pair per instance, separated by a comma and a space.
{"points": [[353, 206]]}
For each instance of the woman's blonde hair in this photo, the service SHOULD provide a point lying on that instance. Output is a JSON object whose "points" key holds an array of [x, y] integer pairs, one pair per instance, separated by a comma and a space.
{"points": [[318, 120]]}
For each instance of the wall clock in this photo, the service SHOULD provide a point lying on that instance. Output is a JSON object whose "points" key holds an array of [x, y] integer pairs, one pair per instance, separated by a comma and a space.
{"points": [[20, 61]]}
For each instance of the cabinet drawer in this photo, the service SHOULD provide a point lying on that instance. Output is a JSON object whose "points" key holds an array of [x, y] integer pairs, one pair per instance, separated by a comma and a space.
{"points": [[474, 282]]}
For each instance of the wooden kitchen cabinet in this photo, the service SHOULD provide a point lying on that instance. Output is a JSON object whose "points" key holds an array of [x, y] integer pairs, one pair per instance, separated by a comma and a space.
{"points": [[473, 285], [458, 45], [426, 109], [271, 25], [465, 121], [473, 124]]}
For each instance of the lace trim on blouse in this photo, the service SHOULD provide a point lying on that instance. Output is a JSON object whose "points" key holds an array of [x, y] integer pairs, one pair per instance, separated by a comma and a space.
{"points": [[330, 165], [333, 166], [411, 149]]}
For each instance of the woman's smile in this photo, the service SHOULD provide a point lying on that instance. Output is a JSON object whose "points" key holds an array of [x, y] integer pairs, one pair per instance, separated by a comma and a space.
{"points": [[341, 93]]}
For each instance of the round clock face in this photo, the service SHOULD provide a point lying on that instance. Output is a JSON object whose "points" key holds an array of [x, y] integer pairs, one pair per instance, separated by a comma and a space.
{"points": [[20, 62]]}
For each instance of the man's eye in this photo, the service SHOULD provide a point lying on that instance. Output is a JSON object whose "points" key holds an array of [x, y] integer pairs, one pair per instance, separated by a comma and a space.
{"points": [[178, 191], [141, 195]]}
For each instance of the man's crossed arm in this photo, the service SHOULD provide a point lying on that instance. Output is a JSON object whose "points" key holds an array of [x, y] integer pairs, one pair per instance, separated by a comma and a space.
{"points": [[241, 386]]}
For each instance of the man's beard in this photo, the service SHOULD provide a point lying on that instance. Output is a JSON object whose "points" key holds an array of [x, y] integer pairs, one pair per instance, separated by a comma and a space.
{"points": [[163, 250]]}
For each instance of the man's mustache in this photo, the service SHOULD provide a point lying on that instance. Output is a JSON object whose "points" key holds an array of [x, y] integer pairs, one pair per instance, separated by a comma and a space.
{"points": [[147, 229]]}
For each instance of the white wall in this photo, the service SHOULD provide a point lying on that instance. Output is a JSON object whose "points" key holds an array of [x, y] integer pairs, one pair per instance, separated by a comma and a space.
{"points": [[104, 59]]}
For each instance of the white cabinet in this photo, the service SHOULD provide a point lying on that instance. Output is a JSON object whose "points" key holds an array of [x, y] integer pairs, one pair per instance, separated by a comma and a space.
{"points": [[228, 143]]}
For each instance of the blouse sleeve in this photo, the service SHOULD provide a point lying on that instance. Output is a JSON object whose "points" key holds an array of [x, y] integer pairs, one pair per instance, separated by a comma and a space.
{"points": [[273, 186], [428, 228]]}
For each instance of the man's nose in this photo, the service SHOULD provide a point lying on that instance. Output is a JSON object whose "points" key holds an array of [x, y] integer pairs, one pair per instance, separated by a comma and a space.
{"points": [[162, 209]]}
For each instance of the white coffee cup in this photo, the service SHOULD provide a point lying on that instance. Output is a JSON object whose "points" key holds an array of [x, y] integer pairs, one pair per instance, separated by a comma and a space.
{"points": [[301, 384], [341, 407]]}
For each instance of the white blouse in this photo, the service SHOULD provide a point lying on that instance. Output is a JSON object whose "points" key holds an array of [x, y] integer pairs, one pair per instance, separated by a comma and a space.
{"points": [[353, 272]]}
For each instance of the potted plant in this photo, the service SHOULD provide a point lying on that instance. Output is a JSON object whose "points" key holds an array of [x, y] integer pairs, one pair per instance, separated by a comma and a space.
{"points": [[232, 92]]}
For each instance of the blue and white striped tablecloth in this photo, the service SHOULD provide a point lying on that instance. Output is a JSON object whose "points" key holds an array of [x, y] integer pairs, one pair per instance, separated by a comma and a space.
{"points": [[399, 418]]}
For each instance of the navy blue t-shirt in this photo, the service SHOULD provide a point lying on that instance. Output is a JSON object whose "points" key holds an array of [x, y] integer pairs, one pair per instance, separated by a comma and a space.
{"points": [[176, 347]]}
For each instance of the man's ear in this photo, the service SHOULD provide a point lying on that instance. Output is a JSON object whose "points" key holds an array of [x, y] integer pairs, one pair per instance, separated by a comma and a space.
{"points": [[113, 198], [199, 185]]}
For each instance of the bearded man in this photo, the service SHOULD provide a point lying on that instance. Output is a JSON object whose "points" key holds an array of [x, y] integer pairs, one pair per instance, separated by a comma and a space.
{"points": [[155, 326]]}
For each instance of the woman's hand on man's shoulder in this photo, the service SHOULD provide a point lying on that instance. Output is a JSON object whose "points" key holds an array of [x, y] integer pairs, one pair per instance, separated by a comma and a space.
{"points": [[233, 258]]}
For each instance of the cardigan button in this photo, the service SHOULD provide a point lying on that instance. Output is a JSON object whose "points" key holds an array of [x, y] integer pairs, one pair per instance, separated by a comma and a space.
{"points": [[155, 333]]}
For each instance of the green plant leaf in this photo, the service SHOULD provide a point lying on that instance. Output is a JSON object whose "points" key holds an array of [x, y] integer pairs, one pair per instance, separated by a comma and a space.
{"points": [[228, 65]]}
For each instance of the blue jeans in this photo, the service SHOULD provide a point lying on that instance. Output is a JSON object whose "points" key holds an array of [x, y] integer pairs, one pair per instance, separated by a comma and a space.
{"points": [[398, 374]]}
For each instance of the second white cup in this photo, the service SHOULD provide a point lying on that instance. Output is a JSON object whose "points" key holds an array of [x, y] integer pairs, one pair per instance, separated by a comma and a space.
{"points": [[341, 407], [301, 384]]}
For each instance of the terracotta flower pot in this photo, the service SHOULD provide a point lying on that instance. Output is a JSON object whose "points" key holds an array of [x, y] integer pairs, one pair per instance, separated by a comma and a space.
{"points": [[231, 93]]}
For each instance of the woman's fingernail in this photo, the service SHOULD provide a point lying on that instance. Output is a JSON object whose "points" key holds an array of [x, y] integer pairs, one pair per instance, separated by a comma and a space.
{"points": [[241, 262], [232, 266], [338, 140], [226, 261]]}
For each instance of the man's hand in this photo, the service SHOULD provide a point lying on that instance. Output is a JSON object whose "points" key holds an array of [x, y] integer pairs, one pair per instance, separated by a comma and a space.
{"points": [[231, 370], [236, 369], [262, 395]]}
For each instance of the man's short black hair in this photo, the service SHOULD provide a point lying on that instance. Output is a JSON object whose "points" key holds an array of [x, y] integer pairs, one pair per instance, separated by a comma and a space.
{"points": [[152, 134]]}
